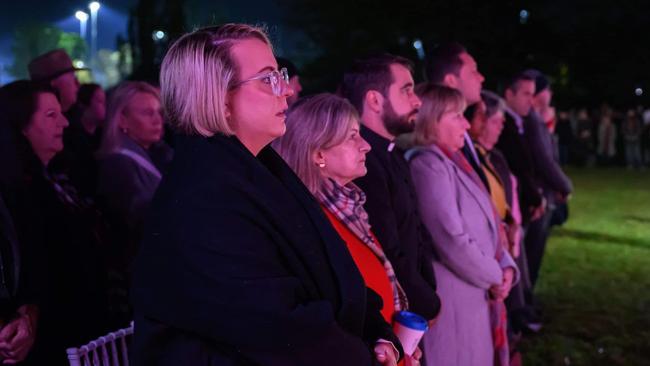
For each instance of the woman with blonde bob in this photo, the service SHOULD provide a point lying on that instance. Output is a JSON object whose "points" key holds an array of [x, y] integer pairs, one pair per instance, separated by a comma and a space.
{"points": [[238, 265], [473, 269]]}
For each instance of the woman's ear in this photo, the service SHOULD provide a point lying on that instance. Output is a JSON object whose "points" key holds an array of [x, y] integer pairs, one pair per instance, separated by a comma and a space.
{"points": [[318, 158], [122, 121]]}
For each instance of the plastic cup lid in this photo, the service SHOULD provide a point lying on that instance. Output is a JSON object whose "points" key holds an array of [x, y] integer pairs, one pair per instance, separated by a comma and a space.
{"points": [[411, 320]]}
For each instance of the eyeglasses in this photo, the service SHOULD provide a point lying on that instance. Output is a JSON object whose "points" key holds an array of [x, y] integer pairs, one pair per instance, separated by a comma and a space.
{"points": [[277, 79]]}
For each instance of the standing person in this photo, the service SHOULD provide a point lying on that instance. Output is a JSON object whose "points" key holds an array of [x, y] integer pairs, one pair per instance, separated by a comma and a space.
{"points": [[60, 231], [503, 189], [294, 78], [132, 155], [82, 138], [632, 136], [452, 66], [55, 69], [553, 183], [238, 264], [472, 264], [584, 137], [325, 149], [607, 133], [132, 160], [381, 90], [565, 137]]}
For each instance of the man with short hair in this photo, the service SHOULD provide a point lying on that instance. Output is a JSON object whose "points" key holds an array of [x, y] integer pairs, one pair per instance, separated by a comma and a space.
{"points": [[519, 97], [382, 90], [451, 65], [55, 68], [554, 184]]}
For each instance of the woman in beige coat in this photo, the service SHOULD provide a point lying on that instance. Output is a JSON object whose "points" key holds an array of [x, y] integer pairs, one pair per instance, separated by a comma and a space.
{"points": [[471, 266]]}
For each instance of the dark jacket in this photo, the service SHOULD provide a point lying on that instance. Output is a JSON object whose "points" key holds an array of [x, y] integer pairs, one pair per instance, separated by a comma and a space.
{"points": [[239, 266], [124, 191], [513, 146], [392, 207], [549, 174], [77, 159], [10, 264], [59, 237]]}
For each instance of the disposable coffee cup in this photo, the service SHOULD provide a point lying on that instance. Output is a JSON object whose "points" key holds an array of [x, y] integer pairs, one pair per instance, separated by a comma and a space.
{"points": [[409, 328]]}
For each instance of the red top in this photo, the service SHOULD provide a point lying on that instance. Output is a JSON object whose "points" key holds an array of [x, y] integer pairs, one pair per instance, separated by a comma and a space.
{"points": [[371, 269]]}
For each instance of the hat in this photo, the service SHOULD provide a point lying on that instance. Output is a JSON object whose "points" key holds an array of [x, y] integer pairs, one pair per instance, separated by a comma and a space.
{"points": [[541, 81], [50, 65]]}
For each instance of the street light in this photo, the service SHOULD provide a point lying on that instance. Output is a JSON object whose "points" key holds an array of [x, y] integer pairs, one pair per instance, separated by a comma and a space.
{"points": [[94, 8], [83, 20]]}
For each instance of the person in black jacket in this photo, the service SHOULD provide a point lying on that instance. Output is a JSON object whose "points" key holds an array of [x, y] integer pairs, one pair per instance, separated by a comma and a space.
{"points": [[512, 144], [381, 89], [58, 230], [238, 265]]}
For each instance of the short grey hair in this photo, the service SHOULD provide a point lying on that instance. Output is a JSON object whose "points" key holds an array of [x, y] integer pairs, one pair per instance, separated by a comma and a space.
{"points": [[196, 75]]}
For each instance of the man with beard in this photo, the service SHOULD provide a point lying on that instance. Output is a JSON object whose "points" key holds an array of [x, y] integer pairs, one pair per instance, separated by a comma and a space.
{"points": [[451, 65], [381, 89]]}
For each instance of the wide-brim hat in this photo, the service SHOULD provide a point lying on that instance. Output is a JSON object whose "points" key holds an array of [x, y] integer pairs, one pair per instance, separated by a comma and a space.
{"points": [[50, 65]]}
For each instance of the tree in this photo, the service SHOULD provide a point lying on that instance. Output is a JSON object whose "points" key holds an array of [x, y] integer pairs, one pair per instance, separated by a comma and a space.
{"points": [[35, 39]]}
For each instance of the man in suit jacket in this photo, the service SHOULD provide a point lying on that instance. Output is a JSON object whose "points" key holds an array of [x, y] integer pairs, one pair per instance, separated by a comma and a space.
{"points": [[555, 185], [452, 66], [512, 144], [381, 88]]}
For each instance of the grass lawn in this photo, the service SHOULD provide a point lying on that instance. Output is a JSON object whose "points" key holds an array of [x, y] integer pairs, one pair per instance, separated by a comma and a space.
{"points": [[595, 279]]}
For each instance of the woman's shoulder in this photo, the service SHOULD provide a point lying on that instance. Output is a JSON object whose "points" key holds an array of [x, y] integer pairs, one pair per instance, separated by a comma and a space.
{"points": [[429, 157]]}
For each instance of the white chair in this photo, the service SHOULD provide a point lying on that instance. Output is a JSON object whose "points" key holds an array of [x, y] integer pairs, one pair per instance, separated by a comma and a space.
{"points": [[109, 350]]}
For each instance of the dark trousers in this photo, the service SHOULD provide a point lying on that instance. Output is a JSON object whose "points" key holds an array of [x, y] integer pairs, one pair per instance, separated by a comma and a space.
{"points": [[535, 243]]}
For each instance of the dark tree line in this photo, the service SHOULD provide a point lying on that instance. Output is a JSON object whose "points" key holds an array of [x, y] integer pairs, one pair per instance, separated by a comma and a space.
{"points": [[594, 50]]}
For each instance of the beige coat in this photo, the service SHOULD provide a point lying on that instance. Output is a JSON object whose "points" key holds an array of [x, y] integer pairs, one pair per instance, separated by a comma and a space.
{"points": [[461, 219]]}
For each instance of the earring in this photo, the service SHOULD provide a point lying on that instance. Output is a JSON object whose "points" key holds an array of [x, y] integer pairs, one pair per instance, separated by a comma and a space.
{"points": [[321, 165]]}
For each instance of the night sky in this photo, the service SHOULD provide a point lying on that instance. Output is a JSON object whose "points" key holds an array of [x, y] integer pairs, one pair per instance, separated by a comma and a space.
{"points": [[113, 17]]}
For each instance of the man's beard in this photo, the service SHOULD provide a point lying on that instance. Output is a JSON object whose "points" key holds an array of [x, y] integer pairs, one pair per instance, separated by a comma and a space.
{"points": [[398, 124]]}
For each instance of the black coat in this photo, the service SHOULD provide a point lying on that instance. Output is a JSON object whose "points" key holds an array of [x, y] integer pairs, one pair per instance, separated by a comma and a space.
{"points": [[62, 269], [239, 266], [392, 208]]}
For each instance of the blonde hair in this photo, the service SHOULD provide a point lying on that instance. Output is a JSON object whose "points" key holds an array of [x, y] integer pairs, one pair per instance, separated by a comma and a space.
{"points": [[118, 100], [196, 74], [315, 123], [436, 100]]}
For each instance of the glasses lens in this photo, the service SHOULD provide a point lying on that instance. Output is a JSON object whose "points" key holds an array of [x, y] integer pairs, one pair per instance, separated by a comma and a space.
{"points": [[285, 74]]}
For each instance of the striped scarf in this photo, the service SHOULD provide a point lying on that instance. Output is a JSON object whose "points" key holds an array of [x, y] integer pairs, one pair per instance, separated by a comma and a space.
{"points": [[346, 203]]}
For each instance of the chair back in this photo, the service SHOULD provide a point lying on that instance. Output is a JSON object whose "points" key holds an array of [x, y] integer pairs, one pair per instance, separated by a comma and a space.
{"points": [[109, 350]]}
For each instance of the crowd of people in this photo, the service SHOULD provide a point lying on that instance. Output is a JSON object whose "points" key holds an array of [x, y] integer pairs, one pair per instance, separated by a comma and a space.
{"points": [[237, 223], [603, 137]]}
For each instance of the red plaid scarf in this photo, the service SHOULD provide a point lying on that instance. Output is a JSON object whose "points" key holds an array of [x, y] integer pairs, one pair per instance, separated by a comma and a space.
{"points": [[346, 203]]}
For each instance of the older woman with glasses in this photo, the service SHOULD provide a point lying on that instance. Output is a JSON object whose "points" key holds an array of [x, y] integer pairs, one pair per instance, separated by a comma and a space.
{"points": [[472, 264], [238, 265]]}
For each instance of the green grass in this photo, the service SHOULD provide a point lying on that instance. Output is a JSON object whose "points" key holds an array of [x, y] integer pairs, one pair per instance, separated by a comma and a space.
{"points": [[595, 279]]}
